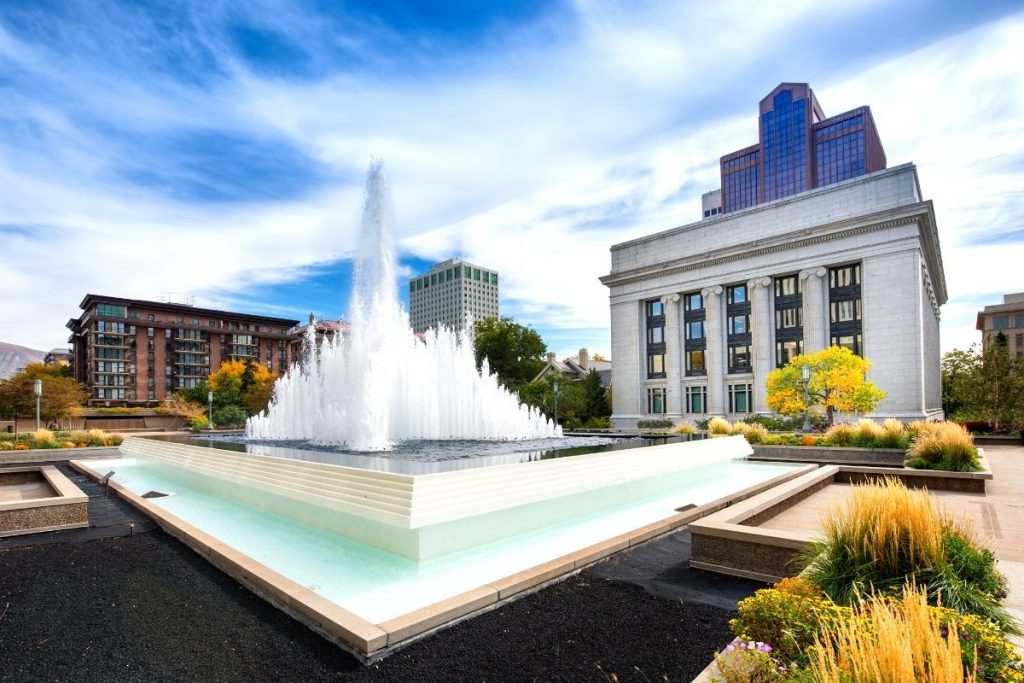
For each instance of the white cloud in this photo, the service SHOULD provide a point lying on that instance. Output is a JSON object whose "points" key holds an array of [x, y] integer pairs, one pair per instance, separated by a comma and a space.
{"points": [[531, 157]]}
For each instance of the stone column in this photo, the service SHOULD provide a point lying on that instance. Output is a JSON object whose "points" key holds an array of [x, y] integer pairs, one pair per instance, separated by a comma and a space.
{"points": [[673, 358], [761, 324], [714, 356], [815, 309]]}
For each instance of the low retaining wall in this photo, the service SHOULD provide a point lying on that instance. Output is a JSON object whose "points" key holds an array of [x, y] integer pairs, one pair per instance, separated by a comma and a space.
{"points": [[880, 457]]}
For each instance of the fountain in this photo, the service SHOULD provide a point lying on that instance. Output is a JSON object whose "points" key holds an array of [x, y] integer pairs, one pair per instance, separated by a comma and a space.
{"points": [[381, 383], [434, 493]]}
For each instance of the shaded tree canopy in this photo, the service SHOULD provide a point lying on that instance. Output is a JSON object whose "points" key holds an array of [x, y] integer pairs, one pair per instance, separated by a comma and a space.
{"points": [[514, 352]]}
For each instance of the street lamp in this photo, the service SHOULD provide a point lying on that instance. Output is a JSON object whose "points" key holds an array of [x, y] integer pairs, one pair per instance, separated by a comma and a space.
{"points": [[38, 390], [209, 402], [556, 402], [805, 378]]}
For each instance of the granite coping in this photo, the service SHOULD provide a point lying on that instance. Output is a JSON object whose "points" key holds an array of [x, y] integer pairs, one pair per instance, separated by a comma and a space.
{"points": [[370, 641]]}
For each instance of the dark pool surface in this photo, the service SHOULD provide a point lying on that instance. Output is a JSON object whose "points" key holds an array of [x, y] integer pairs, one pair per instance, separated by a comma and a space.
{"points": [[426, 457]]}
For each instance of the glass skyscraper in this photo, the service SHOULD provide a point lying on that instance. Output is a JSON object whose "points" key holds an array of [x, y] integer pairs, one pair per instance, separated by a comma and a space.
{"points": [[799, 149]]}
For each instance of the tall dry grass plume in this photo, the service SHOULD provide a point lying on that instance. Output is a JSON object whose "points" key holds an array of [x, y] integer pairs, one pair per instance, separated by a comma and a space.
{"points": [[718, 426], [891, 641], [684, 428], [888, 525], [841, 434], [944, 445], [869, 431], [754, 433], [42, 435]]}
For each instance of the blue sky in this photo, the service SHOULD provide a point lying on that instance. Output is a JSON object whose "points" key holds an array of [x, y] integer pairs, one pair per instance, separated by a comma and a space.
{"points": [[218, 150]]}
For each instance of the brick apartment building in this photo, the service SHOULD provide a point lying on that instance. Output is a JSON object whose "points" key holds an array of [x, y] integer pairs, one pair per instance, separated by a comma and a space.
{"points": [[133, 352]]}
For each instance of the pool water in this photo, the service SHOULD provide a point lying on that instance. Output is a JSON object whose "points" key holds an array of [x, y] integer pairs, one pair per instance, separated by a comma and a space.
{"points": [[377, 585]]}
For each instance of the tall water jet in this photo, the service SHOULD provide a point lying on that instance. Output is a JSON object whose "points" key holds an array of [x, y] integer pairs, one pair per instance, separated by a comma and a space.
{"points": [[381, 383]]}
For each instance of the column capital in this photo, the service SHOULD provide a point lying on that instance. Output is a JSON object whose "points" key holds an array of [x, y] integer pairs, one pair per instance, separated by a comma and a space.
{"points": [[711, 291], [816, 272], [759, 282], [670, 299]]}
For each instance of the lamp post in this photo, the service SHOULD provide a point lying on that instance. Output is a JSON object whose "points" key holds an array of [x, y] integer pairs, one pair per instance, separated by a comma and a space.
{"points": [[209, 403], [38, 391], [805, 379], [556, 402]]}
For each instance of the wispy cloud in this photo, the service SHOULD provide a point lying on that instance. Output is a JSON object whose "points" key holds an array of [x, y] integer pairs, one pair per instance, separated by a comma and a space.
{"points": [[219, 149]]}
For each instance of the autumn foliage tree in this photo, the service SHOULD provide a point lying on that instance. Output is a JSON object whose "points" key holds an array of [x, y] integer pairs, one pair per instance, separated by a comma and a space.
{"points": [[837, 382], [244, 384], [62, 397]]}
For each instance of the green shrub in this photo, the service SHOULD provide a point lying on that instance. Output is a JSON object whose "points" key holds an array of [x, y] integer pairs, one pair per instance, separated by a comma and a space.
{"points": [[230, 415], [773, 423], [654, 424], [598, 423], [198, 424], [788, 617], [117, 410]]}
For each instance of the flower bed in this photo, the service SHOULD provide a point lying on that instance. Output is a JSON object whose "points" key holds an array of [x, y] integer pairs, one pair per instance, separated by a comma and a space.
{"points": [[894, 585], [45, 439]]}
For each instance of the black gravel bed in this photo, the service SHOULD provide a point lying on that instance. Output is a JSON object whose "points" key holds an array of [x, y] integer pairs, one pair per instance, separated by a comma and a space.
{"points": [[147, 608]]}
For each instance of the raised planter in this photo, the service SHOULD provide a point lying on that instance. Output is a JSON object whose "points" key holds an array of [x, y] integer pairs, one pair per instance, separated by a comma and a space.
{"points": [[40, 498], [733, 542], [831, 455]]}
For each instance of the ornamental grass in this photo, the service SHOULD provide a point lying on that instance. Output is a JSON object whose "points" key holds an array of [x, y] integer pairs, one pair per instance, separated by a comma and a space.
{"points": [[944, 446], [42, 436], [885, 534], [684, 428], [868, 433], [891, 641], [841, 434], [718, 426], [754, 433]]}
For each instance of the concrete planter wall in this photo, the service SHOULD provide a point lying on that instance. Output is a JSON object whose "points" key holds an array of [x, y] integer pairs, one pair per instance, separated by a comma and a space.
{"points": [[881, 457]]}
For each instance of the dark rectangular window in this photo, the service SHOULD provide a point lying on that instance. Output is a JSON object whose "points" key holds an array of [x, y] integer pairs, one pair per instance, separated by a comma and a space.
{"points": [[739, 324], [788, 285], [736, 294], [655, 314], [740, 398], [695, 362], [656, 400], [1001, 322], [110, 310], [739, 359], [695, 334], [787, 350], [844, 295], [697, 399]]}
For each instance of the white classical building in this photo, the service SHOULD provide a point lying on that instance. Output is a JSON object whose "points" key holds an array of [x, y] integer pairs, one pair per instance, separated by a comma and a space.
{"points": [[700, 314]]}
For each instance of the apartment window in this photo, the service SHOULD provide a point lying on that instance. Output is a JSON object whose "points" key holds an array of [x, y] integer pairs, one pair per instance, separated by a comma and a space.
{"points": [[697, 399], [786, 350], [655, 314], [845, 307], [150, 316], [167, 333], [1000, 322], [133, 315], [656, 400], [740, 398], [1018, 320], [110, 310]]}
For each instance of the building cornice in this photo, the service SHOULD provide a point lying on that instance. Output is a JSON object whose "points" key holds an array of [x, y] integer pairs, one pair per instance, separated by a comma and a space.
{"points": [[921, 213]]}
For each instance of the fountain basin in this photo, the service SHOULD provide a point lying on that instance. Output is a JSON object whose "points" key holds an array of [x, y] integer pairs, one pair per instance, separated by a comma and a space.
{"points": [[426, 516], [39, 498], [371, 601]]}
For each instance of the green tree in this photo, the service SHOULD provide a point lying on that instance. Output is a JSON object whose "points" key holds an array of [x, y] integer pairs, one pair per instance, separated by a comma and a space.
{"points": [[837, 382], [514, 352], [572, 399], [61, 400], [985, 385], [597, 397]]}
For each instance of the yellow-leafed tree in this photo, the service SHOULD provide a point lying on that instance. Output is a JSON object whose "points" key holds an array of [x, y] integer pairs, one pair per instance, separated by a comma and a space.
{"points": [[837, 382], [242, 383]]}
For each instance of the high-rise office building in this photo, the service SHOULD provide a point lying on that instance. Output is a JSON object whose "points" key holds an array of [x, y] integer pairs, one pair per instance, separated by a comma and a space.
{"points": [[830, 250], [799, 149], [128, 351], [449, 291]]}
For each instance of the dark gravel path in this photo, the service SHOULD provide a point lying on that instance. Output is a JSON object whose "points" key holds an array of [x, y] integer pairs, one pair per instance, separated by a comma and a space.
{"points": [[148, 608]]}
